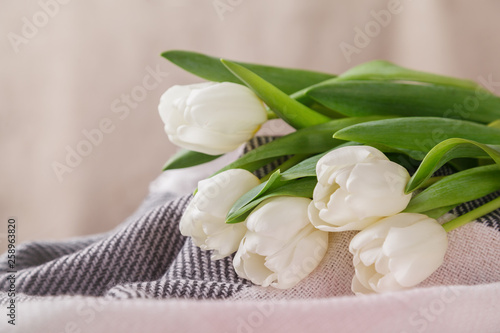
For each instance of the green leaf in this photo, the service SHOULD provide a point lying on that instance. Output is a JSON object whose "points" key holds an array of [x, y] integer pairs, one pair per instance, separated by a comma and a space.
{"points": [[293, 112], [384, 70], [414, 154], [364, 98], [310, 140], [446, 151], [251, 195], [458, 188], [259, 189], [418, 133], [306, 168], [243, 207], [187, 158], [210, 68], [460, 164], [495, 124], [438, 212]]}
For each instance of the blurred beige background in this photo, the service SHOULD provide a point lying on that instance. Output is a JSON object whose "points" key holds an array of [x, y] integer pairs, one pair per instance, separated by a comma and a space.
{"points": [[70, 67]]}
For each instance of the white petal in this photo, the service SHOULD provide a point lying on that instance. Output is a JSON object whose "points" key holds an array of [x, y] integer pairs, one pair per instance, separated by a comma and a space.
{"points": [[358, 288], [308, 253], [173, 102], [378, 230], [337, 213], [191, 226], [422, 235], [382, 264], [204, 218], [279, 217], [227, 241], [212, 118], [364, 274], [349, 156], [256, 271], [238, 260], [375, 191], [219, 193], [208, 141], [320, 224], [416, 251], [263, 245], [385, 283], [370, 253]]}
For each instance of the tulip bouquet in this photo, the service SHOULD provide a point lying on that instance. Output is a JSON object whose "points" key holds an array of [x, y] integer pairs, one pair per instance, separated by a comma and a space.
{"points": [[363, 156]]}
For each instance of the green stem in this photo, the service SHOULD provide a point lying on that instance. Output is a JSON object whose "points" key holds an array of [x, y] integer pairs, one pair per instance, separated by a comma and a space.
{"points": [[472, 215], [271, 114], [286, 165]]}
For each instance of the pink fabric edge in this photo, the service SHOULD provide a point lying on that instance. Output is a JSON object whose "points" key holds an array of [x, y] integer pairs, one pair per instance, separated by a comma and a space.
{"points": [[433, 309]]}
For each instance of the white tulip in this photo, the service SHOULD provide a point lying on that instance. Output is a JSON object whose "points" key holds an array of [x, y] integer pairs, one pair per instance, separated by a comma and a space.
{"points": [[211, 118], [205, 216], [397, 252], [281, 247], [357, 185]]}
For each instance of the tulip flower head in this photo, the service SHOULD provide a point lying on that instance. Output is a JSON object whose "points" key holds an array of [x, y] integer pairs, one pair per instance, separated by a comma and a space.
{"points": [[205, 216], [281, 247], [397, 252], [211, 118], [357, 185]]}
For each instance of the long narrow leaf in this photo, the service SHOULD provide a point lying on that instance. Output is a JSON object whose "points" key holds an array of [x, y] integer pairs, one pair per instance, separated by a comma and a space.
{"points": [[306, 168], [187, 158], [460, 187], [293, 112], [446, 151], [298, 188], [418, 133], [210, 68], [364, 98], [310, 140], [384, 70]]}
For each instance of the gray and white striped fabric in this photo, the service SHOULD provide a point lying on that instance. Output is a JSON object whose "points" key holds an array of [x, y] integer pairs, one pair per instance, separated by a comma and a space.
{"points": [[144, 257]]}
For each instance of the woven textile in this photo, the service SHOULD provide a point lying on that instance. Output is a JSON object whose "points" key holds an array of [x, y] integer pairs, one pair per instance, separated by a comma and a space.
{"points": [[147, 257]]}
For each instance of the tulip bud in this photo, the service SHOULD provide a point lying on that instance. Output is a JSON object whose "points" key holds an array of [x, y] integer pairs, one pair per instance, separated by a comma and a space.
{"points": [[357, 185], [211, 118], [205, 216], [397, 252], [281, 247]]}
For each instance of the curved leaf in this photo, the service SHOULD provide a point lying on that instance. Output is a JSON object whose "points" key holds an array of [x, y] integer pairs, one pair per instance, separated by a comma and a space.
{"points": [[257, 191], [446, 151], [186, 158], [243, 207], [210, 68], [418, 133], [309, 140], [364, 98], [293, 112], [306, 168], [384, 70], [458, 188]]}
